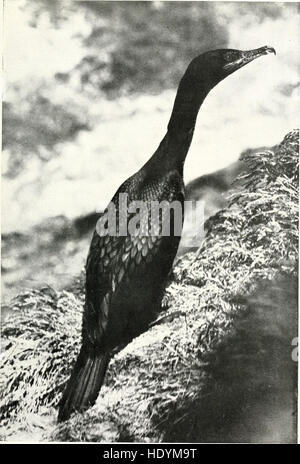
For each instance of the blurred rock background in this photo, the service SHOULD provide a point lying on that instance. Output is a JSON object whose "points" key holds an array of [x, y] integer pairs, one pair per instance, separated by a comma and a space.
{"points": [[89, 87]]}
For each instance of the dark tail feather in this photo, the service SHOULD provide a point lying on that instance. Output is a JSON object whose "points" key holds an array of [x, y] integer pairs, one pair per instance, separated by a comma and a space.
{"points": [[85, 383]]}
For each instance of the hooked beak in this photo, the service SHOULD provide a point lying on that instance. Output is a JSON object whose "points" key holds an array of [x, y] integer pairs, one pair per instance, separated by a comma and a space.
{"points": [[248, 56]]}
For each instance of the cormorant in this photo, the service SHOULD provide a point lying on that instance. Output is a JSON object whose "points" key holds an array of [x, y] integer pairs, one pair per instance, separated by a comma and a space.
{"points": [[126, 274]]}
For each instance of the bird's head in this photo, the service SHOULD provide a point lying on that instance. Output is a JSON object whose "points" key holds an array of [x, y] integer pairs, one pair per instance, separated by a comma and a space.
{"points": [[202, 74], [213, 66]]}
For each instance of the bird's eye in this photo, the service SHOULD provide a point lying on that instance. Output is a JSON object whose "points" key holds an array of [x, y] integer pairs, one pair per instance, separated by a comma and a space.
{"points": [[228, 56], [231, 55]]}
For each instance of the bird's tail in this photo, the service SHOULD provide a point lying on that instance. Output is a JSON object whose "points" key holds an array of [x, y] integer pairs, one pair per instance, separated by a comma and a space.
{"points": [[84, 384]]}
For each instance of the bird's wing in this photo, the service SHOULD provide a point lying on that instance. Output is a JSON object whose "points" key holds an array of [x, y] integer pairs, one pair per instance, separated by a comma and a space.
{"points": [[115, 259]]}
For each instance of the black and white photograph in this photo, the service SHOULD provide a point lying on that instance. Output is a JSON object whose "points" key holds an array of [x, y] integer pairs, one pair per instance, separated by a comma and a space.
{"points": [[149, 224]]}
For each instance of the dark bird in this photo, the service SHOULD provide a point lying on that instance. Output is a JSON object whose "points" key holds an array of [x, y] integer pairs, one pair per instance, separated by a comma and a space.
{"points": [[126, 274]]}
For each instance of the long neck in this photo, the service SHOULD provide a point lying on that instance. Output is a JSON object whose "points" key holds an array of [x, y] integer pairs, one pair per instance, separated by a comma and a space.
{"points": [[190, 96], [176, 143]]}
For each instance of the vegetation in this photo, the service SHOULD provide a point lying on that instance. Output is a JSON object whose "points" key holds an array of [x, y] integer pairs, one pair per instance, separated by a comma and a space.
{"points": [[216, 367]]}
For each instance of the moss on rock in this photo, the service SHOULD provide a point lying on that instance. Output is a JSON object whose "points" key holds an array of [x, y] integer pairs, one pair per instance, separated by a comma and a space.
{"points": [[201, 373]]}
